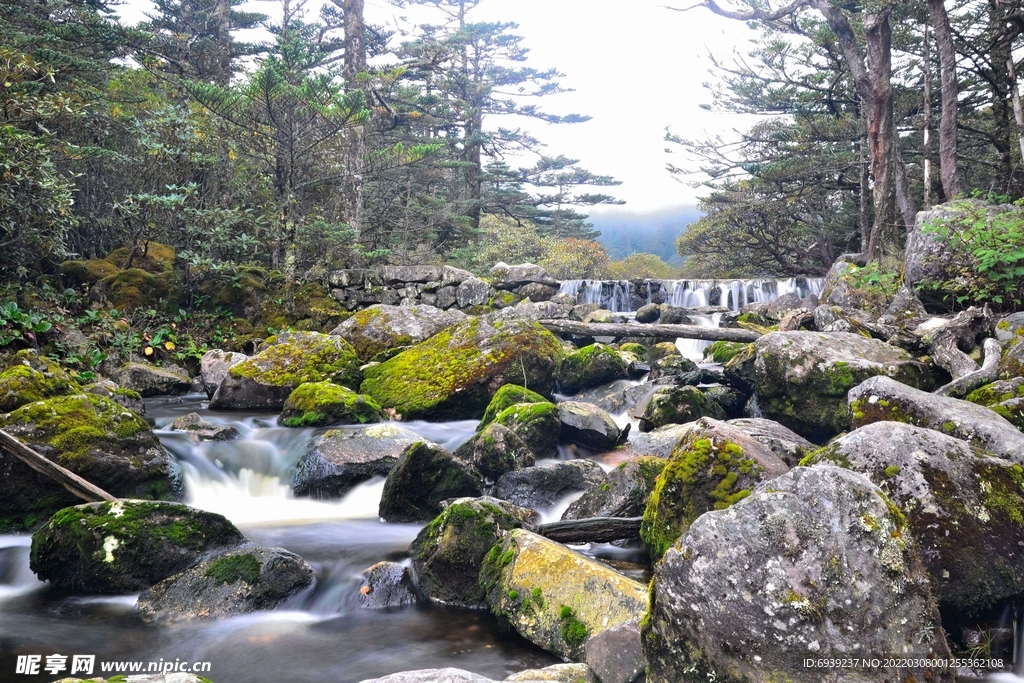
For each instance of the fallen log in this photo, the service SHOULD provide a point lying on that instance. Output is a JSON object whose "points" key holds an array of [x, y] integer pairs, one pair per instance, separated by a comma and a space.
{"points": [[669, 332], [90, 493], [989, 372], [592, 529]]}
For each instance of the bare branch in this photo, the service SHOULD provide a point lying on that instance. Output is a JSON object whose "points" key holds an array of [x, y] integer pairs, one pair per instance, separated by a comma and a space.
{"points": [[753, 15]]}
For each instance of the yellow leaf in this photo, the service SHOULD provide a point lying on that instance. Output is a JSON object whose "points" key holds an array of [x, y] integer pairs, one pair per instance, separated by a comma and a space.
{"points": [[169, 346], [148, 351]]}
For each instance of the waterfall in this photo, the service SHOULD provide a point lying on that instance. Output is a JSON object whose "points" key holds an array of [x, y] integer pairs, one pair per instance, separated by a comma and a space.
{"points": [[616, 295], [613, 295]]}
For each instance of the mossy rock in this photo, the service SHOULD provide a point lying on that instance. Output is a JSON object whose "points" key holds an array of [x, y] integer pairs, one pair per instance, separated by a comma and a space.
{"points": [[380, 329], [506, 397], [94, 437], [495, 450], [554, 597], [239, 291], [1012, 411], [622, 493], [454, 374], [78, 273], [319, 404], [127, 545], [31, 378], [1012, 363], [153, 257], [723, 351], [425, 475], [997, 392], [678, 405], [266, 380], [150, 380], [589, 367], [662, 350], [638, 350], [537, 424], [312, 309], [236, 582], [448, 551], [713, 467], [136, 288]]}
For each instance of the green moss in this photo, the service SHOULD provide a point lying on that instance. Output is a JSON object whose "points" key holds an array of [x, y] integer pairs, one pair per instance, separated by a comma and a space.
{"points": [[135, 288], [152, 257], [864, 412], [302, 357], [318, 404], [590, 366], [23, 384], [1003, 490], [639, 350], [234, 568], [513, 595], [724, 351], [506, 397], [76, 273], [574, 632], [891, 471], [949, 427]]}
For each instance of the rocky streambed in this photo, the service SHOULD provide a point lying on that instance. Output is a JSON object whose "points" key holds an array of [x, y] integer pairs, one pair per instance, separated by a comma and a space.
{"points": [[849, 485]]}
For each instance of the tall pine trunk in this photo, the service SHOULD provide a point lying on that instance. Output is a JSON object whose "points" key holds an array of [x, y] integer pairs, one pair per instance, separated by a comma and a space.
{"points": [[947, 75]]}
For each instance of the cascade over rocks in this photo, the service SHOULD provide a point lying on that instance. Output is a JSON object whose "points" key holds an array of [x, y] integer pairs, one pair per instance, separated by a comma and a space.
{"points": [[236, 582], [454, 374], [127, 545], [540, 487], [265, 381], [964, 506], [883, 399], [381, 327], [340, 459], [816, 563]]}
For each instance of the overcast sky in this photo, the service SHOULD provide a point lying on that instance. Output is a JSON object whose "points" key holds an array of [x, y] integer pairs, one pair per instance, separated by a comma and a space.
{"points": [[635, 67]]}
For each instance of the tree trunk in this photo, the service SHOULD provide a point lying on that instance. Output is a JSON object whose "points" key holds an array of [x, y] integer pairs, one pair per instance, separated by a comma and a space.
{"points": [[592, 529], [666, 332], [881, 131], [1018, 112], [355, 138], [947, 76], [222, 14], [926, 115], [999, 86]]}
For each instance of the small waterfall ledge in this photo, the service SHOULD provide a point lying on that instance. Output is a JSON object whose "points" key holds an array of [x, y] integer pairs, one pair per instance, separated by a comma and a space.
{"points": [[623, 296]]}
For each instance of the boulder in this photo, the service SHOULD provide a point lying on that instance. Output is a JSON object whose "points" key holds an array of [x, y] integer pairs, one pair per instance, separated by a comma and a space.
{"points": [[1012, 363], [818, 564], [554, 597], [905, 307], [448, 675], [97, 439], [1010, 329], [648, 313], [237, 582], [396, 275], [473, 292], [537, 424], [537, 292], [732, 401], [615, 654], [152, 257], [78, 273], [723, 351], [108, 388], [495, 450], [589, 367], [623, 492], [964, 507], [320, 404], [149, 380], [214, 367], [659, 442], [340, 459], [802, 378], [789, 446], [29, 377], [425, 475], [882, 399], [506, 397], [672, 367], [541, 487], [194, 424], [387, 584], [1003, 396], [448, 552], [505, 276], [678, 405], [265, 381], [713, 467], [454, 374], [777, 309], [589, 426], [451, 275], [381, 327], [127, 545], [673, 315], [559, 673], [843, 288]]}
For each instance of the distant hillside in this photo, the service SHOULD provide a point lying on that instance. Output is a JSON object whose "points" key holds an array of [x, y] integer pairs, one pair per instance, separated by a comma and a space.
{"points": [[655, 233]]}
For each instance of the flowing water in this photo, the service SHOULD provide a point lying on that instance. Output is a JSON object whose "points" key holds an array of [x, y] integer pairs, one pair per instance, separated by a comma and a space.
{"points": [[319, 635]]}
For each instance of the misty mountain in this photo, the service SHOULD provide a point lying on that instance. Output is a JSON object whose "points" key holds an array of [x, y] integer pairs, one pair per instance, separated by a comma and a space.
{"points": [[654, 232]]}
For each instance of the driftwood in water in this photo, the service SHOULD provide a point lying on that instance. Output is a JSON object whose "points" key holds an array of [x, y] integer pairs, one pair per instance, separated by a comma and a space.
{"points": [[66, 478], [669, 332], [592, 529]]}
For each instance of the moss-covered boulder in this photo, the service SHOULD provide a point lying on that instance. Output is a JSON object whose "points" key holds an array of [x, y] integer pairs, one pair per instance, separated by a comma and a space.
{"points": [[425, 475], [589, 367], [817, 563], [319, 404], [802, 378], [127, 545], [1005, 397], [340, 459], [236, 582], [541, 487], [494, 451], [678, 405], [454, 374], [97, 439], [554, 597], [785, 443], [382, 327], [29, 378], [589, 426], [964, 506], [1012, 363], [108, 388], [448, 552], [265, 381], [136, 288], [152, 257], [713, 467], [881, 399], [662, 350], [150, 380], [537, 424], [622, 493], [506, 397], [78, 273], [723, 351]]}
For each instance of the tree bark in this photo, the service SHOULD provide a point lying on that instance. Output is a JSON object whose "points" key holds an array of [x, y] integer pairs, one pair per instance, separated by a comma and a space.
{"points": [[881, 131], [355, 137], [1018, 112], [592, 529], [948, 84], [88, 492], [988, 372], [926, 115], [657, 331]]}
